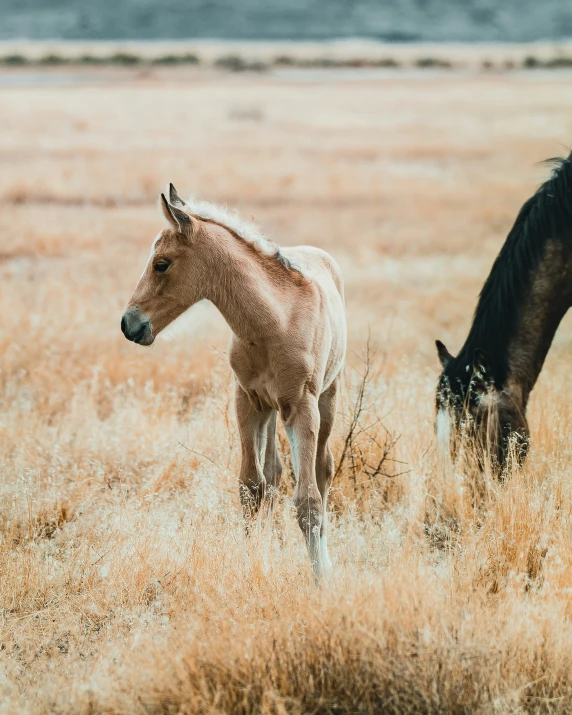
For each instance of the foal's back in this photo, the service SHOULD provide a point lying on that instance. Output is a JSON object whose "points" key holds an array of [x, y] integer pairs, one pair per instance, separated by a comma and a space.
{"points": [[317, 265]]}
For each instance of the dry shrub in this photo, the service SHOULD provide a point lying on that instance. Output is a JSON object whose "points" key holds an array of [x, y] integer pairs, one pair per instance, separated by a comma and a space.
{"points": [[366, 451]]}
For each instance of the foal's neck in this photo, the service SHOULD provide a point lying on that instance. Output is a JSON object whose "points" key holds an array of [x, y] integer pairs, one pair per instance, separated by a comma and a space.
{"points": [[242, 285]]}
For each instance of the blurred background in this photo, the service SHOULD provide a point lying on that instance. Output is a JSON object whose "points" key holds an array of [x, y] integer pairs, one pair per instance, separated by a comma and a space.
{"points": [[387, 20]]}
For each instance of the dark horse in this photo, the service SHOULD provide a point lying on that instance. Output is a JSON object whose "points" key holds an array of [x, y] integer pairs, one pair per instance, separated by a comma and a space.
{"points": [[483, 392]]}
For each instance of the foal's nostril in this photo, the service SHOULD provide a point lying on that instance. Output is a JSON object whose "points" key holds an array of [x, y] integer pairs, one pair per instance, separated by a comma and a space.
{"points": [[136, 327], [136, 337]]}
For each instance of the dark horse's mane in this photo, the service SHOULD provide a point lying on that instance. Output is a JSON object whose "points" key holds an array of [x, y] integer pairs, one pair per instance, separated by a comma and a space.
{"points": [[545, 216]]}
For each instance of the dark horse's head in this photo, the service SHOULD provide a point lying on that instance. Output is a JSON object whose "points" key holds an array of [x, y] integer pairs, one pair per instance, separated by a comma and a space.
{"points": [[483, 392], [473, 407]]}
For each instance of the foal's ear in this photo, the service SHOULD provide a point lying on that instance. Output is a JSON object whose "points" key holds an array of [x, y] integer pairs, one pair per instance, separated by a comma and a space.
{"points": [[177, 218], [174, 198], [445, 356]]}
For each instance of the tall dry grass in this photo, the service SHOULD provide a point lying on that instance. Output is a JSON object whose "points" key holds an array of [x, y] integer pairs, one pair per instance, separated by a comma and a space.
{"points": [[128, 584]]}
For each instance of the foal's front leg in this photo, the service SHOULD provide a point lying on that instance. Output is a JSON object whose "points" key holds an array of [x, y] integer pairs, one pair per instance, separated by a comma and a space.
{"points": [[302, 427], [252, 422]]}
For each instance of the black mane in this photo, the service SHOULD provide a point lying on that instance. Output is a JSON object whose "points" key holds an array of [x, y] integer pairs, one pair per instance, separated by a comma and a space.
{"points": [[547, 215]]}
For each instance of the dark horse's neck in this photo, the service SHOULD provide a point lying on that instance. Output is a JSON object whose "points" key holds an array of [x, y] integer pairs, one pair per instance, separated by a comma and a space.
{"points": [[526, 294]]}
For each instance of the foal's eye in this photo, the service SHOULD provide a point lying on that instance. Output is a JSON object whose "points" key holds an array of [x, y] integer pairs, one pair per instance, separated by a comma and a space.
{"points": [[161, 266]]}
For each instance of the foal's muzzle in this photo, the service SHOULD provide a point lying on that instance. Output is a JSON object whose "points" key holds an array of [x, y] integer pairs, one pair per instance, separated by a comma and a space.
{"points": [[136, 327]]}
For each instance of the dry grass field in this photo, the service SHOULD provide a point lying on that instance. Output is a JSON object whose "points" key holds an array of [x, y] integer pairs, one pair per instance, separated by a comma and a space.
{"points": [[127, 583]]}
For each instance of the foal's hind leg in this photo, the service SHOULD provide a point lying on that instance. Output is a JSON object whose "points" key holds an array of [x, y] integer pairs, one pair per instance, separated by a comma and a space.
{"points": [[272, 463], [325, 463], [252, 423]]}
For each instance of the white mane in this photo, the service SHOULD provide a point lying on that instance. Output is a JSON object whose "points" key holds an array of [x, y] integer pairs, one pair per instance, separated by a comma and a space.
{"points": [[246, 230], [230, 218]]}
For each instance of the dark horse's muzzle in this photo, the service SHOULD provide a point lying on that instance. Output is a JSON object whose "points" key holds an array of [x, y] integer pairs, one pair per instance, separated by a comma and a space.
{"points": [[136, 327]]}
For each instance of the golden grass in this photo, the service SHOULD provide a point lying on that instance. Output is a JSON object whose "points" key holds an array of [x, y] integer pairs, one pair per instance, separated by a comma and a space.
{"points": [[128, 584]]}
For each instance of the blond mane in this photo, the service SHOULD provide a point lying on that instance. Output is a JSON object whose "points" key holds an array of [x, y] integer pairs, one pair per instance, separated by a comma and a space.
{"points": [[246, 230]]}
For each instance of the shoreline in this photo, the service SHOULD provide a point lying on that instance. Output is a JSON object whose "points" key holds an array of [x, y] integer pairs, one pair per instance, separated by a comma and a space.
{"points": [[263, 55]]}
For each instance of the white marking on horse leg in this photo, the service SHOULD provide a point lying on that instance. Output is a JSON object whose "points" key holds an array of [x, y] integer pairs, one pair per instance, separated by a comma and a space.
{"points": [[324, 555], [315, 553]]}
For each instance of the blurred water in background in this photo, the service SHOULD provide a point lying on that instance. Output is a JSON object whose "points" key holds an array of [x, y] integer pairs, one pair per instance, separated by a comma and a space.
{"points": [[387, 20]]}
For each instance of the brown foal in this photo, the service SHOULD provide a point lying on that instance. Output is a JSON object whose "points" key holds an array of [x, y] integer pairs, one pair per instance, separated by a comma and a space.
{"points": [[285, 308]]}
